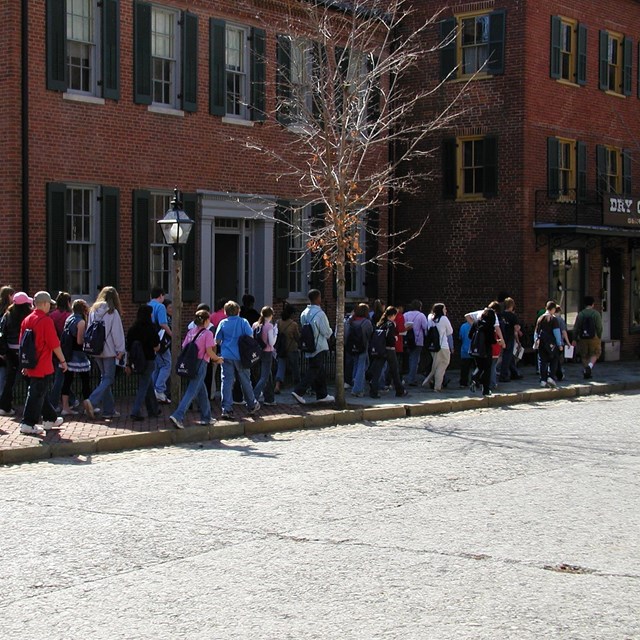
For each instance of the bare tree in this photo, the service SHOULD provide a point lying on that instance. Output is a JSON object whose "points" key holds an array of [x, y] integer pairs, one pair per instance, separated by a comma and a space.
{"points": [[355, 128]]}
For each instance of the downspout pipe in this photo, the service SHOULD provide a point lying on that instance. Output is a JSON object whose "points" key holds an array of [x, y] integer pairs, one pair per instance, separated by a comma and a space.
{"points": [[25, 142]]}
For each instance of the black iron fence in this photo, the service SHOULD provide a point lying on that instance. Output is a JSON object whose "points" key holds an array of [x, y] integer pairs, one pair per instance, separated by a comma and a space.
{"points": [[568, 209]]}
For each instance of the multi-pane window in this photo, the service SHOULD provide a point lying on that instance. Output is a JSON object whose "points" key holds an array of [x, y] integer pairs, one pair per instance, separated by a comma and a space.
{"points": [[474, 43], [566, 167], [611, 172], [568, 36], [236, 64], [300, 79], [163, 56], [81, 45], [614, 62], [471, 164], [565, 282], [568, 59], [159, 255], [297, 254], [80, 213]]}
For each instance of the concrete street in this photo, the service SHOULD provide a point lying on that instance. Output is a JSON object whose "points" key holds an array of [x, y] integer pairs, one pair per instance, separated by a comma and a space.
{"points": [[519, 522]]}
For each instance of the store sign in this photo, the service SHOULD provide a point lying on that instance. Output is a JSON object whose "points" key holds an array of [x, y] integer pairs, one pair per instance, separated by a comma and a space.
{"points": [[621, 211]]}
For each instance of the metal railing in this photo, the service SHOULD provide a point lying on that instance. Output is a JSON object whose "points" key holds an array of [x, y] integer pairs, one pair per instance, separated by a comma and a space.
{"points": [[568, 209]]}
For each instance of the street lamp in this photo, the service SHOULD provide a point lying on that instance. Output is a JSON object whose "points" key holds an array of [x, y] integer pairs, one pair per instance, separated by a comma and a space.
{"points": [[176, 228]]}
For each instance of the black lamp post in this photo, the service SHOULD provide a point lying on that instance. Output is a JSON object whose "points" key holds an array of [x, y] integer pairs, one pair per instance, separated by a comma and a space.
{"points": [[176, 227]]}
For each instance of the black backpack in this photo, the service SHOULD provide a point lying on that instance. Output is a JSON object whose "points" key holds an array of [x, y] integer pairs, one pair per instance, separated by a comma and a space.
{"points": [[257, 335], [588, 327], [137, 359], [280, 347], [355, 339], [188, 362], [27, 353], [250, 351], [478, 338], [308, 337], [378, 343], [410, 339], [68, 337], [4, 345], [94, 338], [432, 339]]}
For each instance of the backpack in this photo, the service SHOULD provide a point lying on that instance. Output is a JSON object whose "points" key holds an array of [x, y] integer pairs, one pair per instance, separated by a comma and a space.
{"points": [[355, 339], [4, 345], [478, 338], [308, 337], [137, 359], [432, 339], [27, 353], [378, 343], [280, 347], [250, 351], [410, 339], [68, 339], [257, 335], [188, 362], [588, 327], [94, 338]]}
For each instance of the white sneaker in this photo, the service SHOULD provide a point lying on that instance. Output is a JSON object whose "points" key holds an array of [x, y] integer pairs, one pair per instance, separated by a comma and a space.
{"points": [[205, 422], [178, 424], [256, 408], [543, 384], [35, 430], [161, 397], [327, 399], [52, 424], [11, 412], [300, 399], [347, 385], [551, 382]]}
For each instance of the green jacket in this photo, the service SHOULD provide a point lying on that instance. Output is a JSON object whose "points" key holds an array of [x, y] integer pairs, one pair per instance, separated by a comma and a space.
{"points": [[587, 311]]}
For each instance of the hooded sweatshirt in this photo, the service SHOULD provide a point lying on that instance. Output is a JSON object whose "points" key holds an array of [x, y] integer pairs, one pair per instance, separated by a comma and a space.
{"points": [[113, 330]]}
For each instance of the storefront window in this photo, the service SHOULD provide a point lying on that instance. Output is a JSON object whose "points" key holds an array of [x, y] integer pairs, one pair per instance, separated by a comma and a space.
{"points": [[635, 290], [566, 266]]}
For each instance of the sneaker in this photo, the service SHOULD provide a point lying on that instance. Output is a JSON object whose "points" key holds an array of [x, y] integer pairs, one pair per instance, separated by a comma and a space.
{"points": [[404, 394], [115, 414], [227, 415], [88, 408], [587, 373], [487, 394], [11, 412], [52, 424], [347, 385], [35, 430], [69, 412], [75, 404], [177, 423], [161, 397], [327, 399], [357, 394], [269, 404], [209, 421], [256, 408], [543, 384], [300, 399], [238, 402], [551, 382], [472, 387]]}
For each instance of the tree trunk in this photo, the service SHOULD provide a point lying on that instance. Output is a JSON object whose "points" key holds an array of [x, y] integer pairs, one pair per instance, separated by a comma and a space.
{"points": [[340, 304]]}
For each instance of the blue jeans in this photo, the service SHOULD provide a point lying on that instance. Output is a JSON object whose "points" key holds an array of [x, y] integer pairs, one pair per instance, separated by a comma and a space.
{"points": [[292, 362], [145, 392], [162, 371], [102, 393], [265, 383], [37, 403], [360, 366], [230, 370], [196, 389], [414, 362]]}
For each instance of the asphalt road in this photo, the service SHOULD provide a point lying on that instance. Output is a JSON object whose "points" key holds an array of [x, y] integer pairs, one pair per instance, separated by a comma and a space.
{"points": [[522, 523]]}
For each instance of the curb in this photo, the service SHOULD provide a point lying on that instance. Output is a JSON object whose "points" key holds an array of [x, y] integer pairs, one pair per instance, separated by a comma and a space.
{"points": [[229, 430]]}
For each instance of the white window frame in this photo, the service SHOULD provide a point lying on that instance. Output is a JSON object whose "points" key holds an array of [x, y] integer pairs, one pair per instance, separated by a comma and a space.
{"points": [[159, 251], [300, 76], [76, 235], [299, 263], [479, 48], [90, 43], [170, 60], [240, 105]]}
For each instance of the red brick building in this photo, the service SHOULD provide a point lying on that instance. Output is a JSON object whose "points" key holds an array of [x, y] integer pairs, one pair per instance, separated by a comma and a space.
{"points": [[107, 106], [538, 180]]}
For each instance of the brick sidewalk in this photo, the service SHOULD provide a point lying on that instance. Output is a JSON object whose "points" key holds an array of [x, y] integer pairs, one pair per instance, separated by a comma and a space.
{"points": [[81, 435]]}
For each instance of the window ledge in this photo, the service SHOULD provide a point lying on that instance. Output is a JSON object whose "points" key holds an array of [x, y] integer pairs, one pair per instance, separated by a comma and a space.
{"points": [[615, 93], [474, 77], [298, 129], [80, 97], [237, 121], [567, 83], [471, 198], [165, 111]]}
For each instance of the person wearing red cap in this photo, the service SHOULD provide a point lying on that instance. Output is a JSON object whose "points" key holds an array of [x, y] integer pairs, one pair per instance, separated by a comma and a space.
{"points": [[47, 343]]}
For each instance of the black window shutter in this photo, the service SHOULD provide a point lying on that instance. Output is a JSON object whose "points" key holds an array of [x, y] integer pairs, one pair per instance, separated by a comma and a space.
{"points": [[319, 73], [581, 186], [601, 164], [371, 251], [626, 172], [189, 62], [639, 70], [217, 73], [490, 167], [375, 94], [56, 45], [604, 63], [110, 237], [581, 72], [189, 254], [448, 51], [283, 79], [283, 232], [553, 167], [140, 248], [556, 44], [142, 53], [258, 74], [449, 168], [317, 271], [56, 237], [496, 42], [111, 49], [627, 66]]}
